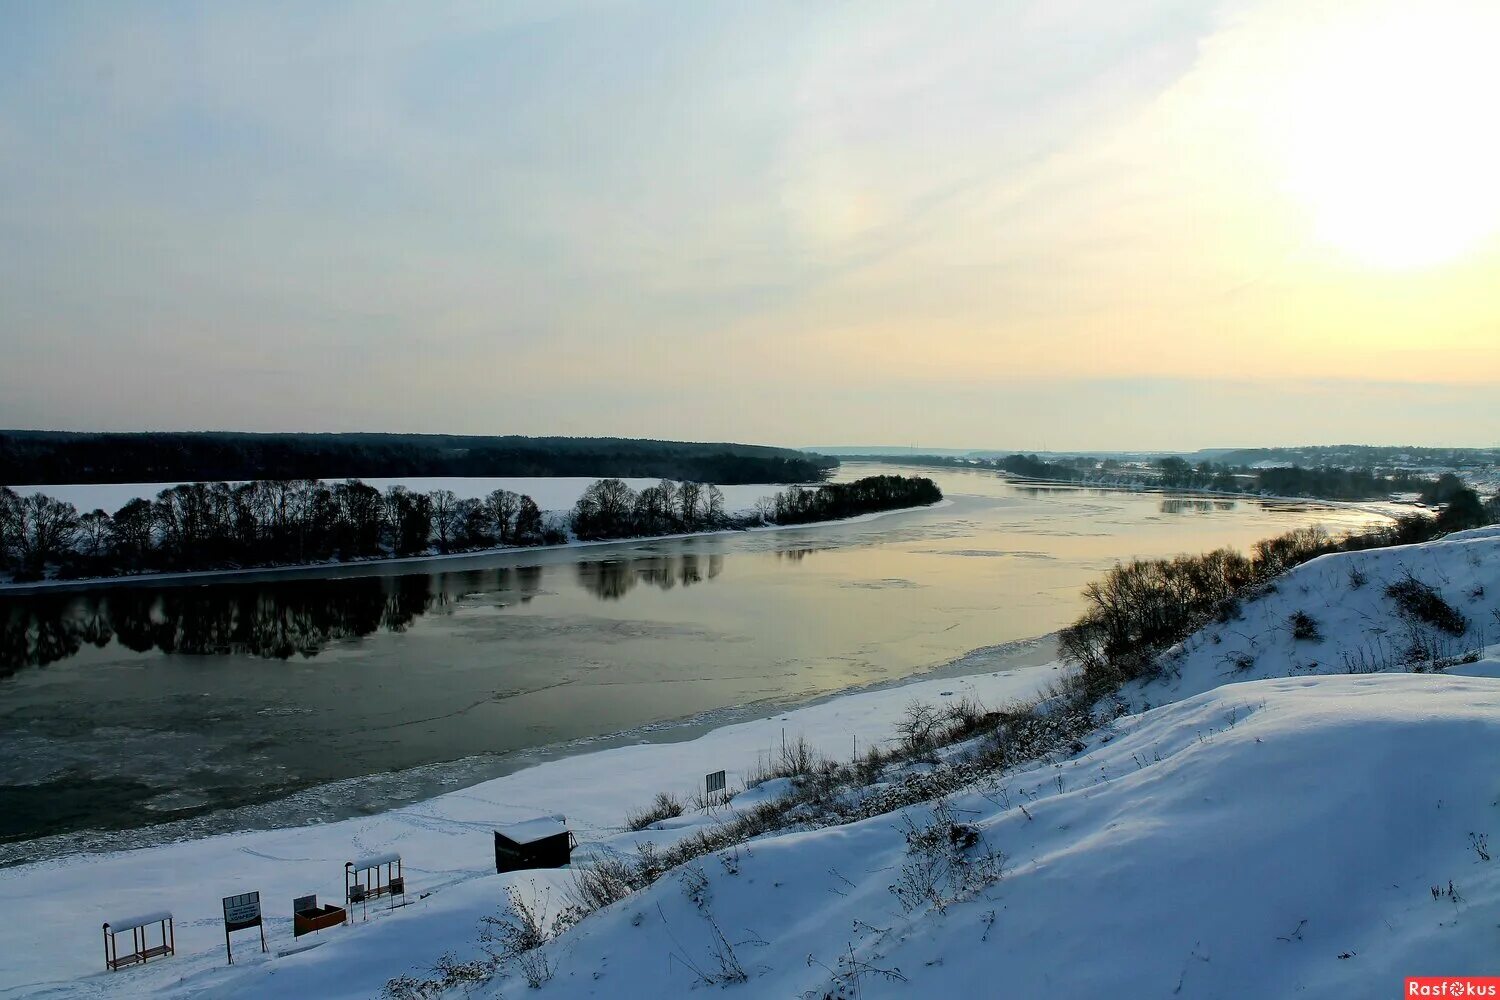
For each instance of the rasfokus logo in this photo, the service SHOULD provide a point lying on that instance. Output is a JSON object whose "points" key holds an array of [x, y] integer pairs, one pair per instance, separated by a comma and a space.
{"points": [[1452, 986]]}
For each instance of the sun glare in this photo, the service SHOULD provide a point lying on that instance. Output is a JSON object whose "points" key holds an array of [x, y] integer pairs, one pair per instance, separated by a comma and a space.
{"points": [[1389, 136]]}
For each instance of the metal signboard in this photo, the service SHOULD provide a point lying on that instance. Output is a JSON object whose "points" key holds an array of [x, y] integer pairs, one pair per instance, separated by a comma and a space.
{"points": [[242, 912], [714, 784]]}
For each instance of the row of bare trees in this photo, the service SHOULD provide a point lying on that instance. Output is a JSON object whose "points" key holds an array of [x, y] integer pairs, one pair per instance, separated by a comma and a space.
{"points": [[609, 508], [832, 501], [279, 522], [263, 523]]}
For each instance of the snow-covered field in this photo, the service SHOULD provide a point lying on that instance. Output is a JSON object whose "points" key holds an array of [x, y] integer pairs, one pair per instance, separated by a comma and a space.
{"points": [[549, 492], [1268, 830]]}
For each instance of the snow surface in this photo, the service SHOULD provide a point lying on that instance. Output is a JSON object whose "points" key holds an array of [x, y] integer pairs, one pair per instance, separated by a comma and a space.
{"points": [[531, 830], [1266, 832]]}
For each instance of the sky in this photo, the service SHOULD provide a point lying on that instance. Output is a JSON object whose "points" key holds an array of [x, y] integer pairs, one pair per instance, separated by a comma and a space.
{"points": [[1055, 225]]}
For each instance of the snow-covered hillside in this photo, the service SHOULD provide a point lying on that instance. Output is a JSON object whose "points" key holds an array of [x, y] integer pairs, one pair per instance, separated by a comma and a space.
{"points": [[1272, 838], [1351, 624], [1271, 828]]}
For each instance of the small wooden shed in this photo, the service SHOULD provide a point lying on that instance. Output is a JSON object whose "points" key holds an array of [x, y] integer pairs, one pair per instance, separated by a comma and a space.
{"points": [[140, 948], [545, 842]]}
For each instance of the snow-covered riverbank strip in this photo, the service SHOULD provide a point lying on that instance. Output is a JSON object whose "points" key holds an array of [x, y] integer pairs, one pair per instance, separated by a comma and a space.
{"points": [[445, 842], [417, 563]]}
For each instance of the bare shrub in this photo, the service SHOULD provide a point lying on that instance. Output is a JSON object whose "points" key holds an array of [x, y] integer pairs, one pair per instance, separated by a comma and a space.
{"points": [[601, 880], [852, 971], [1304, 627], [664, 806], [797, 758], [919, 727], [793, 760], [1240, 662], [965, 717], [446, 974], [946, 861], [1417, 600], [726, 967], [517, 935]]}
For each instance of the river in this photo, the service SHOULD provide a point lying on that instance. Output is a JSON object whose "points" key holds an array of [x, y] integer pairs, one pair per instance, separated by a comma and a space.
{"points": [[201, 708]]}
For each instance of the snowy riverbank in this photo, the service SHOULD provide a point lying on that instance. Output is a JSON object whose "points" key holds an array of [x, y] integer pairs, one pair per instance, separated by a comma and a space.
{"points": [[446, 843]]}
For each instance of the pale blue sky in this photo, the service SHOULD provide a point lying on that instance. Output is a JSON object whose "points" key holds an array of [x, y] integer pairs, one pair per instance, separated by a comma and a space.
{"points": [[956, 223]]}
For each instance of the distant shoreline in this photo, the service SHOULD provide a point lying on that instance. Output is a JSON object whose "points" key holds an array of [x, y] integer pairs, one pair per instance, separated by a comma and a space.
{"points": [[1209, 494], [37, 587]]}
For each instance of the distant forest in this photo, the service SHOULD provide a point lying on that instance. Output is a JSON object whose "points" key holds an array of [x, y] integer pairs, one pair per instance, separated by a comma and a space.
{"points": [[43, 458]]}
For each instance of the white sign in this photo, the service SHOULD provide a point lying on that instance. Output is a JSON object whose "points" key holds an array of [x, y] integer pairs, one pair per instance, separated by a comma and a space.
{"points": [[242, 910]]}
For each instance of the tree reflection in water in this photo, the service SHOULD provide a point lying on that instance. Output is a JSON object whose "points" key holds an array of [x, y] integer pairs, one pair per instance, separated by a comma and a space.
{"points": [[612, 579], [289, 618], [1193, 505]]}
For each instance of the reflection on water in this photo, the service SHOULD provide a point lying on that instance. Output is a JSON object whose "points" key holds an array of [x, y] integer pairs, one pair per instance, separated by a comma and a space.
{"points": [[1193, 505], [294, 618], [612, 579]]}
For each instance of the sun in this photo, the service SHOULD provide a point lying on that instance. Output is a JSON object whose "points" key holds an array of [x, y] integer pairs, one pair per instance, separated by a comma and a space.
{"points": [[1388, 131]]}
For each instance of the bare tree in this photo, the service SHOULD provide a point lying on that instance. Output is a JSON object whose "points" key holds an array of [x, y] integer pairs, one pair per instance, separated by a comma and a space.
{"points": [[474, 524], [714, 514], [445, 517], [605, 510], [45, 529], [528, 529], [133, 528], [655, 510], [765, 509], [689, 497], [10, 518], [95, 535], [501, 506]]}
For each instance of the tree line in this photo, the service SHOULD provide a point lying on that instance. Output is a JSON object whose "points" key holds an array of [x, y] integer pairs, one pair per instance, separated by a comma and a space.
{"points": [[611, 509], [39, 458], [208, 526], [200, 526], [833, 501]]}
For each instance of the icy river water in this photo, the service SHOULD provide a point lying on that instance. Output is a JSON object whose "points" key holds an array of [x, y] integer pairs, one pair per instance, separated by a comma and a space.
{"points": [[210, 707]]}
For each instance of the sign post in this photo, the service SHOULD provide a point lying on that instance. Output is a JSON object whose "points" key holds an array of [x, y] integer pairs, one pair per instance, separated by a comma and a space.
{"points": [[241, 913], [713, 784]]}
